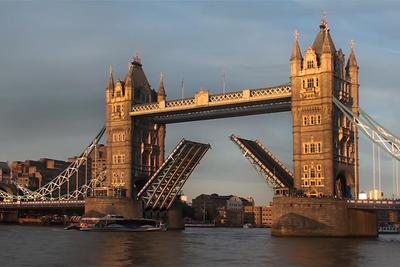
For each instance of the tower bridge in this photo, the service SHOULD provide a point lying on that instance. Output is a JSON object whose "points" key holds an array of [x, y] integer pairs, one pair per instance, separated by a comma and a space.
{"points": [[322, 189]]}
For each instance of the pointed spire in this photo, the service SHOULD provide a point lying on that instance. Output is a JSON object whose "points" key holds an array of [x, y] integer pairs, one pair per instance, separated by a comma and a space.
{"points": [[327, 45], [110, 79], [296, 52], [161, 88], [352, 57], [322, 37], [129, 75]]}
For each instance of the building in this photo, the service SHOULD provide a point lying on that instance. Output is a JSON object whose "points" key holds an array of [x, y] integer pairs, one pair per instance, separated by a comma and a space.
{"points": [[33, 174], [223, 210], [266, 217], [258, 216], [248, 210], [263, 216], [5, 172]]}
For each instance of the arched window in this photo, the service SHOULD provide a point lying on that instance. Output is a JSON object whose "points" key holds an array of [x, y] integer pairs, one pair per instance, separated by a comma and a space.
{"points": [[310, 83], [305, 120], [312, 119]]}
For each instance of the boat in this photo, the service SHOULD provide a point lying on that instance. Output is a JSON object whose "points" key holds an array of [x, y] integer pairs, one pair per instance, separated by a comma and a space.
{"points": [[117, 223], [247, 225], [388, 229], [72, 226]]}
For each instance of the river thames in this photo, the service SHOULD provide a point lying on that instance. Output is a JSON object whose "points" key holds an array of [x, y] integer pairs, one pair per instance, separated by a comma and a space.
{"points": [[53, 246]]}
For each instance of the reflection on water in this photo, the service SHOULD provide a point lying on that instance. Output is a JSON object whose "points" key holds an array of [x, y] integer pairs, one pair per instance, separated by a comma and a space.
{"points": [[49, 246]]}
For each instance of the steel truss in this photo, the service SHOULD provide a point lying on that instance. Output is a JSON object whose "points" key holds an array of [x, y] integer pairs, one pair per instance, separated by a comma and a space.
{"points": [[372, 129], [165, 185], [46, 192], [274, 171]]}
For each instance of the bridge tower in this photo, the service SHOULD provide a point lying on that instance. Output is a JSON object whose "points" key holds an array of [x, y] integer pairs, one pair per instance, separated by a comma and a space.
{"points": [[325, 143], [135, 148]]}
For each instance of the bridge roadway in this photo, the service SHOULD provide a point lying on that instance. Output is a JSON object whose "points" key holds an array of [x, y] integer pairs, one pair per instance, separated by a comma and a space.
{"points": [[20, 205], [387, 204], [204, 106], [369, 204]]}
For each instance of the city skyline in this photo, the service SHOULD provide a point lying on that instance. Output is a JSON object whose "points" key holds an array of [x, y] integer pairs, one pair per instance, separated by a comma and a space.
{"points": [[58, 73]]}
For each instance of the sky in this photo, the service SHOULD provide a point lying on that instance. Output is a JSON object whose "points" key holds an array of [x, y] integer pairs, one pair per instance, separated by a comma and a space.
{"points": [[55, 56]]}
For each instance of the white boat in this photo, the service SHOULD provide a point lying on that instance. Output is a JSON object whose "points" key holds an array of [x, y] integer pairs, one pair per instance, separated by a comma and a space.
{"points": [[388, 229], [117, 223], [247, 225]]}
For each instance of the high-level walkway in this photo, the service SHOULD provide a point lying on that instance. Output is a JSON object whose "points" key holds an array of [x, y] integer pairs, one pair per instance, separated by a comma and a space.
{"points": [[274, 171], [204, 106], [164, 186]]}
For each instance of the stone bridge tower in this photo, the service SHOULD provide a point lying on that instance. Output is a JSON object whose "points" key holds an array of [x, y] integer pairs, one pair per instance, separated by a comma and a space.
{"points": [[325, 143], [135, 149]]}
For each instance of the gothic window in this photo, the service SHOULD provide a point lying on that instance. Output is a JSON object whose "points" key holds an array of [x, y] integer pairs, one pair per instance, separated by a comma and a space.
{"points": [[310, 83], [312, 173], [118, 93], [305, 168], [312, 148], [318, 167], [312, 119], [318, 119], [305, 120], [118, 108], [118, 159], [316, 82], [310, 64], [306, 147]]}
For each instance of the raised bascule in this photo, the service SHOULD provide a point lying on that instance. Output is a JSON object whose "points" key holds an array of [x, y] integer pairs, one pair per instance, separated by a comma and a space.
{"points": [[318, 198]]}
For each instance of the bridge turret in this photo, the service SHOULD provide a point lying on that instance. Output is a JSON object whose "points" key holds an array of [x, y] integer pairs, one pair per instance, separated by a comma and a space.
{"points": [[324, 146], [128, 79], [296, 59], [328, 52], [110, 85], [352, 65]]}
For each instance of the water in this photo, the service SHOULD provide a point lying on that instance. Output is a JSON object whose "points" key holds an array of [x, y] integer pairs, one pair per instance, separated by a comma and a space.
{"points": [[52, 246]]}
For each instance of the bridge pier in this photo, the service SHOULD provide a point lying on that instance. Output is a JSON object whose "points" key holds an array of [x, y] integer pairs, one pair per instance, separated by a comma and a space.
{"points": [[8, 216], [175, 216], [101, 206], [320, 217]]}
